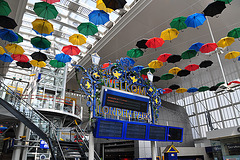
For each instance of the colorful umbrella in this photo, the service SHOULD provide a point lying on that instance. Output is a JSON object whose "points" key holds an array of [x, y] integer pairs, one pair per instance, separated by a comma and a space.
{"points": [[163, 57], [236, 82], [155, 42], [105, 65], [214, 8], [183, 73], [188, 54], [205, 64], [155, 64], [36, 63], [226, 41], [42, 27], [232, 54], [20, 57], [55, 63], [7, 22], [114, 4], [226, 1], [101, 6], [8, 35], [192, 67], [39, 56], [142, 44], [63, 58], [179, 23], [45, 10], [24, 64], [220, 83], [2, 51], [51, 1], [208, 47], [146, 69], [130, 60], [174, 70], [174, 86], [213, 88], [20, 38], [169, 34], [174, 58], [40, 43], [167, 90], [14, 48], [71, 50], [238, 58], [4, 8], [6, 58], [181, 90], [195, 20], [192, 90], [98, 17], [235, 33], [166, 76], [203, 89], [87, 29], [77, 39], [137, 68], [196, 46], [156, 78], [135, 53], [145, 77]]}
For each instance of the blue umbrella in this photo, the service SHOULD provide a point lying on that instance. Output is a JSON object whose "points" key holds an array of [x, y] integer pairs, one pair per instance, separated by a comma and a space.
{"points": [[43, 34], [6, 58], [8, 35], [3, 128], [196, 46], [63, 58], [192, 90], [137, 68], [239, 58], [98, 17], [132, 62], [195, 20]]}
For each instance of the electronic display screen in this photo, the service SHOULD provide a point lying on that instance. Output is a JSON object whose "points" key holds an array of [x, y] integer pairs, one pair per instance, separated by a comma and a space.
{"points": [[110, 129], [136, 131], [175, 134], [157, 133]]}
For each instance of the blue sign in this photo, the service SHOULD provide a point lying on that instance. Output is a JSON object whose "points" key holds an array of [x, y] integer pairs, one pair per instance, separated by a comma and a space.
{"points": [[43, 144]]}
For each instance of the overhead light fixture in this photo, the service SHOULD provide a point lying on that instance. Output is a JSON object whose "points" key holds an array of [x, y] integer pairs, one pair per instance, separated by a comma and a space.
{"points": [[150, 76]]}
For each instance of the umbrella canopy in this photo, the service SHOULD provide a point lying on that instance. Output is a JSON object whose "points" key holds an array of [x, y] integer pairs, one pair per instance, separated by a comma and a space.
{"points": [[169, 34], [6, 57], [8, 35], [87, 29], [145, 77], [236, 82], [77, 39], [179, 23], [142, 44], [235, 33], [167, 76], [208, 47], [98, 17], [36, 63], [163, 57], [156, 78], [155, 64], [45, 10], [40, 43], [146, 69], [71, 50], [220, 83], [20, 57], [214, 8], [42, 27], [39, 56], [183, 73], [232, 54], [131, 61], [174, 86], [4, 8], [55, 63], [205, 64], [226, 1], [24, 64], [226, 41], [181, 90], [105, 65], [174, 58], [188, 54], [51, 1], [213, 88], [63, 58], [196, 46], [101, 6], [195, 20], [135, 53], [174, 70], [2, 51], [155, 42], [203, 89], [137, 68], [114, 4], [192, 67], [20, 38], [7, 22], [167, 90], [192, 90], [14, 48]]}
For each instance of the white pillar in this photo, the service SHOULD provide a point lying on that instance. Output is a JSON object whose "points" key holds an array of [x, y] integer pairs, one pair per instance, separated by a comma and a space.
{"points": [[154, 149], [17, 150], [91, 147]]}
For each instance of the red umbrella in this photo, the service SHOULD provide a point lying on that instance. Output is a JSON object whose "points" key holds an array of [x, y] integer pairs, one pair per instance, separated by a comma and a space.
{"points": [[154, 42], [51, 1], [20, 57], [237, 82], [105, 65], [145, 77], [163, 57], [192, 67], [208, 47], [167, 90], [71, 50]]}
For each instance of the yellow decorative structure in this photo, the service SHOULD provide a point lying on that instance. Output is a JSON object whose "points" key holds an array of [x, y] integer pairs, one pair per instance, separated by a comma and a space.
{"points": [[133, 79], [117, 74]]}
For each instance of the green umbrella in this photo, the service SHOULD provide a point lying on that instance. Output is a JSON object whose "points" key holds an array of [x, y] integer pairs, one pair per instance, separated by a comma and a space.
{"points": [[40, 43], [188, 54], [179, 23], [4, 8], [57, 64], [226, 1], [220, 83], [235, 33], [45, 10], [167, 76], [203, 89], [20, 38], [87, 29], [146, 69], [135, 53]]}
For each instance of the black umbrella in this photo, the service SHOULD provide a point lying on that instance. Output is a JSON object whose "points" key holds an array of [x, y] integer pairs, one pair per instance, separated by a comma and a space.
{"points": [[174, 86], [114, 4], [24, 64], [214, 8], [156, 78], [213, 88], [174, 58], [205, 64], [183, 73], [7, 22], [39, 56], [142, 44]]}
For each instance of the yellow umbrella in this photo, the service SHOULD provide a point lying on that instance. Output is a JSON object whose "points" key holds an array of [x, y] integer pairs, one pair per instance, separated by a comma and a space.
{"points": [[77, 39], [42, 26], [232, 54], [155, 64], [169, 34], [38, 63], [2, 51], [181, 90], [14, 48], [101, 6], [174, 70], [226, 41]]}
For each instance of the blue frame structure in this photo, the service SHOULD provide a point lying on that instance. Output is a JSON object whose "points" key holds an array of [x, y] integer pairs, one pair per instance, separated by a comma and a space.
{"points": [[175, 140]]}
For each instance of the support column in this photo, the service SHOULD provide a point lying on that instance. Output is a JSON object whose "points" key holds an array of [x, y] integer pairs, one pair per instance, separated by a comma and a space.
{"points": [[17, 150], [154, 149], [91, 147]]}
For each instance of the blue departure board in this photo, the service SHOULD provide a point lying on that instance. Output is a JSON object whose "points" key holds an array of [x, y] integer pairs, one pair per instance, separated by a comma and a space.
{"points": [[136, 131], [157, 132]]}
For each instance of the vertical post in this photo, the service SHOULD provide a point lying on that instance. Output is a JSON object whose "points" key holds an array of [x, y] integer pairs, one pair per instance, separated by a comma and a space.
{"points": [[17, 150], [91, 140], [73, 107], [154, 149], [103, 151]]}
